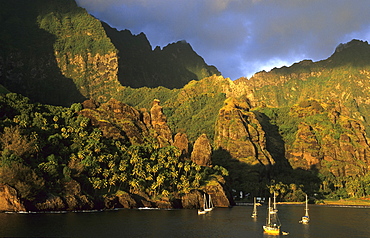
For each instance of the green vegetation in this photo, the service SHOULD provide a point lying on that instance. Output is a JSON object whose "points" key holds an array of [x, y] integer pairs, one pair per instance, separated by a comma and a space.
{"points": [[43, 147]]}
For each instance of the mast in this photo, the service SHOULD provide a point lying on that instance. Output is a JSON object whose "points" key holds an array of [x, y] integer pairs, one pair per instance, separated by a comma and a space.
{"points": [[269, 213], [254, 214], [306, 206], [254, 206], [204, 202]]}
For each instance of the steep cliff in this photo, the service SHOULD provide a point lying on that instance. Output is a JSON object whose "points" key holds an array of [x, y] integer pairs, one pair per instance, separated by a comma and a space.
{"points": [[55, 52], [173, 66], [338, 145], [238, 131], [202, 151], [9, 199], [27, 60]]}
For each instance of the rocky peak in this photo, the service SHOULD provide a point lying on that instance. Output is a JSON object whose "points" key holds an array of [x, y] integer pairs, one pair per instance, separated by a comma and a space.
{"points": [[202, 151], [182, 143], [159, 124], [352, 43]]}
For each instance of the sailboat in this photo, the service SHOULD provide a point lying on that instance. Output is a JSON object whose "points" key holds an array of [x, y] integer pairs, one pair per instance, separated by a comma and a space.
{"points": [[306, 217], [203, 211], [209, 206], [272, 226], [254, 214]]}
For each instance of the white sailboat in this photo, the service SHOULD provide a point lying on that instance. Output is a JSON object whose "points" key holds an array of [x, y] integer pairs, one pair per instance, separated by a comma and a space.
{"points": [[273, 225], [209, 206], [254, 213], [203, 211], [306, 217]]}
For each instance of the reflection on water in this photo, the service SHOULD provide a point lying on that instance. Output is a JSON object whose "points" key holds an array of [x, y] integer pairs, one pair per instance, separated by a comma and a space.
{"points": [[325, 222]]}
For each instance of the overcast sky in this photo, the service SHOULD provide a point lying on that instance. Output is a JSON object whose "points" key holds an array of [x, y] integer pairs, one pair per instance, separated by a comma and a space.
{"points": [[242, 37]]}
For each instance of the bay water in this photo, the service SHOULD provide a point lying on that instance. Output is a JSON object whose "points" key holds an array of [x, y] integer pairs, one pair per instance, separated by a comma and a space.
{"points": [[326, 222]]}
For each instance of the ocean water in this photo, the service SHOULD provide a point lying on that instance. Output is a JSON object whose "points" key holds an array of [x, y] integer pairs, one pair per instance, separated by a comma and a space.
{"points": [[326, 222]]}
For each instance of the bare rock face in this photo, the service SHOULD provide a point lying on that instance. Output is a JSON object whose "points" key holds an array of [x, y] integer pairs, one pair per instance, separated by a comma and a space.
{"points": [[159, 124], [202, 151], [71, 201], [52, 203], [306, 149], [127, 201], [9, 200], [239, 132], [99, 70], [192, 200], [120, 121], [341, 152], [90, 104], [182, 143], [217, 194], [74, 198]]}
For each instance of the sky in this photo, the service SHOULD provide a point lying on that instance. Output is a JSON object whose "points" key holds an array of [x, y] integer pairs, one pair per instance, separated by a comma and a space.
{"points": [[242, 37]]}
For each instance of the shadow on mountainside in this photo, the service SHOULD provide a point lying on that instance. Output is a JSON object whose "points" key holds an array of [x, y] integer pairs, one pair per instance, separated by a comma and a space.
{"points": [[28, 60], [255, 179], [282, 171], [139, 66]]}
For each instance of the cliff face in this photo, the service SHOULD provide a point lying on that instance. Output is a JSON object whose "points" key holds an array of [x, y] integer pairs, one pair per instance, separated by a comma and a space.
{"points": [[118, 120], [95, 75], [239, 132], [67, 56], [342, 152], [9, 200], [173, 66], [159, 124], [202, 151]]}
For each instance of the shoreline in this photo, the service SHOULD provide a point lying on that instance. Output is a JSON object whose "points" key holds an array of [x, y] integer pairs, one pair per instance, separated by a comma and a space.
{"points": [[341, 202]]}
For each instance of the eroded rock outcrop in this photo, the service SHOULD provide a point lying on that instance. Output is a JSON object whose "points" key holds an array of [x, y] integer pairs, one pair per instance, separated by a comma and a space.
{"points": [[9, 200], [120, 121], [306, 153], [159, 124], [72, 200], [182, 143], [202, 151], [239, 132], [192, 200], [342, 152], [217, 193]]}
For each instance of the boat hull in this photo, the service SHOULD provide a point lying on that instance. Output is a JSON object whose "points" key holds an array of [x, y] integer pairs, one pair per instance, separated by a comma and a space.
{"points": [[201, 212], [305, 220], [271, 230]]}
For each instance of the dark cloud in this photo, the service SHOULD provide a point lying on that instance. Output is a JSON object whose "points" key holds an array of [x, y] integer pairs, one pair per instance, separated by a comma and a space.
{"points": [[241, 37]]}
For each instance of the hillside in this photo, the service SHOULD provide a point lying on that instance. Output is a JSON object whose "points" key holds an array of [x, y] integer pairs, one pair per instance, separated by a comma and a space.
{"points": [[171, 67], [55, 52], [308, 120], [160, 127]]}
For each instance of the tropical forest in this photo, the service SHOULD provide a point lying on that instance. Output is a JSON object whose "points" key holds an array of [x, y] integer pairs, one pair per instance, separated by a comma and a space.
{"points": [[95, 118]]}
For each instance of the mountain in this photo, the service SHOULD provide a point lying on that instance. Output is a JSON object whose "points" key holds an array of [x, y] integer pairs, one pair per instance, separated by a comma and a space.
{"points": [[308, 120], [160, 127], [171, 67], [55, 52]]}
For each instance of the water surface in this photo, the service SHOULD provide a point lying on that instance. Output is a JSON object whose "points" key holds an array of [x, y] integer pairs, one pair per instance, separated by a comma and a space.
{"points": [[325, 222]]}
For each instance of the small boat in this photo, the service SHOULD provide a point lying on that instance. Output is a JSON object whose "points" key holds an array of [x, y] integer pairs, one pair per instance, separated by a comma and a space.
{"points": [[254, 213], [273, 225], [203, 211], [209, 206], [306, 217]]}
